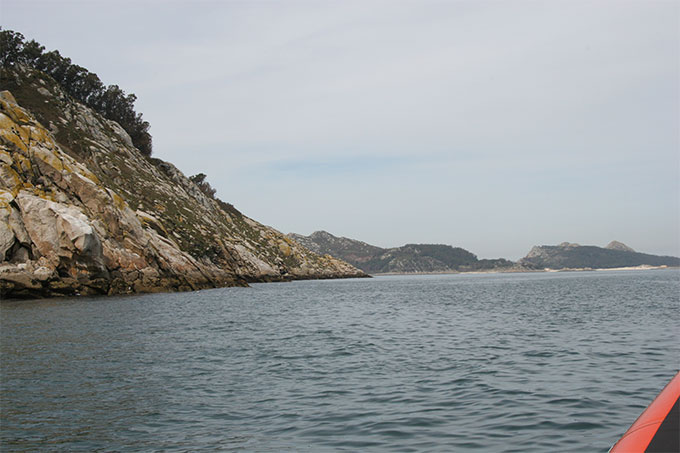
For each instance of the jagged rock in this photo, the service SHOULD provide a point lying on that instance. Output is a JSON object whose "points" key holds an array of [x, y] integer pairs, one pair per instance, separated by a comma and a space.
{"points": [[616, 245], [6, 234], [57, 230]]}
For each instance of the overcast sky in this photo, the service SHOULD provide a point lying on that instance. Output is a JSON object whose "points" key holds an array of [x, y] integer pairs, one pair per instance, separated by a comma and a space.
{"points": [[492, 126]]}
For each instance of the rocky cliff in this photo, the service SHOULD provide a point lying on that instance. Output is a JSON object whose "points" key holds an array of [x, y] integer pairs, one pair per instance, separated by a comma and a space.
{"points": [[574, 256], [410, 258], [83, 212]]}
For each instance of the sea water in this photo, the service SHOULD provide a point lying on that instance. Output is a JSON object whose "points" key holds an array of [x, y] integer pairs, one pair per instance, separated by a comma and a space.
{"points": [[538, 362]]}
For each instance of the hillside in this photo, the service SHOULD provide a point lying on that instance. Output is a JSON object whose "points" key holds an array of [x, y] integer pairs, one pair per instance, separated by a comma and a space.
{"points": [[83, 211], [409, 258], [325, 243], [575, 256]]}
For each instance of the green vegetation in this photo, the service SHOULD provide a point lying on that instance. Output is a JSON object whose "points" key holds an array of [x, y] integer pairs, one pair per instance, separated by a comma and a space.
{"points": [[451, 256], [83, 85], [203, 185]]}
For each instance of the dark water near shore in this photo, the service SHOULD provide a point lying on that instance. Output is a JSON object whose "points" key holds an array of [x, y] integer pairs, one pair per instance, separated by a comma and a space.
{"points": [[521, 362]]}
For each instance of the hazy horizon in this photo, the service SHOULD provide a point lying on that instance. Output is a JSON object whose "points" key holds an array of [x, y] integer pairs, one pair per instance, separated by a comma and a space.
{"points": [[492, 126]]}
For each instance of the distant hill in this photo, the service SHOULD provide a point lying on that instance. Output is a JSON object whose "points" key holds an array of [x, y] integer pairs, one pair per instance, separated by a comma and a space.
{"points": [[575, 256], [414, 258], [409, 258], [325, 243]]}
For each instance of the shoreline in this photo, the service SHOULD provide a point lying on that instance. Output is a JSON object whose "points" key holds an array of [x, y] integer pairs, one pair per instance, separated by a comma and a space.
{"points": [[338, 277], [526, 271], [241, 281]]}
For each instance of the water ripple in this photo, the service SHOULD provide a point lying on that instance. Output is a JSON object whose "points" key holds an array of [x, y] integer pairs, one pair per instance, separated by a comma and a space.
{"points": [[526, 363]]}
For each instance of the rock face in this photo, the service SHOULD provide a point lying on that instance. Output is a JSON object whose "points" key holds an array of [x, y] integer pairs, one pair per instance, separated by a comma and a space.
{"points": [[410, 258], [83, 212], [575, 256], [616, 245]]}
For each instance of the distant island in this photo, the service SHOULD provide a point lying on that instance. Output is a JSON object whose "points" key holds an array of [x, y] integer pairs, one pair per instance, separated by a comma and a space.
{"points": [[437, 258], [575, 256]]}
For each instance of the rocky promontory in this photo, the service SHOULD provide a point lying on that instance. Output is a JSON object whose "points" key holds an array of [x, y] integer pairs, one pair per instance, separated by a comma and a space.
{"points": [[82, 211]]}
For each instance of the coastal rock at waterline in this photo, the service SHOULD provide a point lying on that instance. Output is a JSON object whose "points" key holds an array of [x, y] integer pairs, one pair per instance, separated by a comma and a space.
{"points": [[59, 231]]}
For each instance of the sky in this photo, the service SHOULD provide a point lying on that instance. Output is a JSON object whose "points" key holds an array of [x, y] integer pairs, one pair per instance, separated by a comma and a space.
{"points": [[489, 125]]}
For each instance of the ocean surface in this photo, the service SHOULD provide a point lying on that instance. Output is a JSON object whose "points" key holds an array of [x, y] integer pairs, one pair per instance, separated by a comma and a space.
{"points": [[499, 362]]}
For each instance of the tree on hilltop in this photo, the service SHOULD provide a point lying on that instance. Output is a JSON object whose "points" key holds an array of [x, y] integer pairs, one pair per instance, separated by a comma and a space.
{"points": [[203, 185], [83, 85]]}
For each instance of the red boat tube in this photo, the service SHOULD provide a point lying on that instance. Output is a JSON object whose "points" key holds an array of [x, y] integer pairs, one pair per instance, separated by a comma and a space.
{"points": [[657, 429]]}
